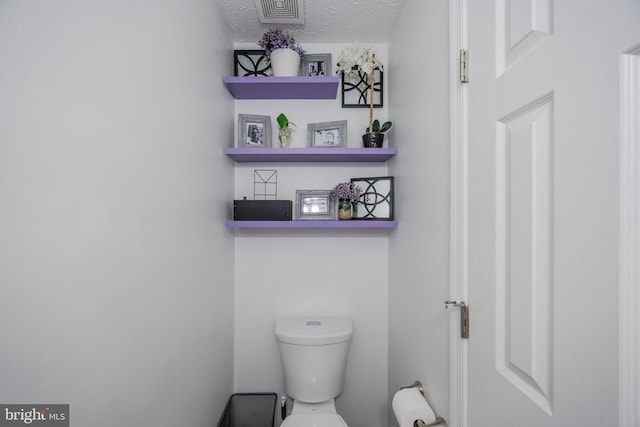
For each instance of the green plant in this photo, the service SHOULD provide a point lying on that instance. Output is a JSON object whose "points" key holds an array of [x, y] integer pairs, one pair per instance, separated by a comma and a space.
{"points": [[284, 135], [283, 121], [358, 58], [375, 127]]}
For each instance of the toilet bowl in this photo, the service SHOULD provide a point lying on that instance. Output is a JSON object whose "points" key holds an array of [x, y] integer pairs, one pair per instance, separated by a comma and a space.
{"points": [[314, 420], [314, 352], [314, 415]]}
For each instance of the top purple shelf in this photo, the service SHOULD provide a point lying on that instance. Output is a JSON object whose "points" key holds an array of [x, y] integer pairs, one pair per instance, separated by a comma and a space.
{"points": [[283, 87], [355, 155]]}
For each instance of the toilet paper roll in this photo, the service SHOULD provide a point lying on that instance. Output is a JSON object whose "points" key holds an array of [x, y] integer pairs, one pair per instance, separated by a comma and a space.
{"points": [[409, 406]]}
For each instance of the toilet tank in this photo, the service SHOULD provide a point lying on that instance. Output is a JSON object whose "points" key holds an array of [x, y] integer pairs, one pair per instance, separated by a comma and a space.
{"points": [[313, 351]]}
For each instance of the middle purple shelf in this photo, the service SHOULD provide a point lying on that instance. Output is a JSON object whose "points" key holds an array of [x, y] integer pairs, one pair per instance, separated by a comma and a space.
{"points": [[334, 155], [313, 224]]}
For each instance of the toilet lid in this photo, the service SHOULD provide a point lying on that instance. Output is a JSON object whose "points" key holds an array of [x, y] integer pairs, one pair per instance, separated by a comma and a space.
{"points": [[317, 419]]}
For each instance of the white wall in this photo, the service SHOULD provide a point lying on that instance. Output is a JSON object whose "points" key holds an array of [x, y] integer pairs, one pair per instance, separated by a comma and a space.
{"points": [[116, 289], [116, 293], [419, 248], [283, 273]]}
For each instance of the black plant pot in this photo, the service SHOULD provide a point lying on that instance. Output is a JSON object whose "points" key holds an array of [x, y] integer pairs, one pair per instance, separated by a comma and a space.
{"points": [[373, 140]]}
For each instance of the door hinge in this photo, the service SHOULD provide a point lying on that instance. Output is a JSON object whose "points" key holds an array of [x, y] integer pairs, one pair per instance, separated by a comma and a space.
{"points": [[464, 316], [464, 321], [464, 66]]}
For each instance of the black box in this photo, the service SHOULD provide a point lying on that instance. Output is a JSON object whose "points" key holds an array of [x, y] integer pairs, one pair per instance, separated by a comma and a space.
{"points": [[262, 210], [249, 410]]}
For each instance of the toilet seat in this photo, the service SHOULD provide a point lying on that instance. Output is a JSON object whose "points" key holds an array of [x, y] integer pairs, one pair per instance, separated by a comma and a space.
{"points": [[316, 419]]}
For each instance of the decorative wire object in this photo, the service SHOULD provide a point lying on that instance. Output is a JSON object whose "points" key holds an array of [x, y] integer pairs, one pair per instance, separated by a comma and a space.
{"points": [[251, 63], [355, 89], [376, 200], [265, 184]]}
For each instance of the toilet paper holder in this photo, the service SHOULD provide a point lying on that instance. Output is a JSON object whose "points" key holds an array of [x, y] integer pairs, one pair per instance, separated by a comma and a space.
{"points": [[419, 423]]}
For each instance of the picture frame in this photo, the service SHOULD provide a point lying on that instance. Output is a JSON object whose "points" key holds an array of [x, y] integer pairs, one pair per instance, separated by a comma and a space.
{"points": [[316, 64], [251, 63], [376, 200], [254, 131], [315, 205], [355, 89], [327, 134]]}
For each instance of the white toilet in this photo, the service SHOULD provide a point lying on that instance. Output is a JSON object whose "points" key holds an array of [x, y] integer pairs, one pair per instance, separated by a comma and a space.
{"points": [[314, 352]]}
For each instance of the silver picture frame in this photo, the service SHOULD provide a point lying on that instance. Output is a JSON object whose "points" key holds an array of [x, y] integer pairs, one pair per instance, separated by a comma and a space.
{"points": [[327, 134], [315, 64], [315, 205], [254, 131]]}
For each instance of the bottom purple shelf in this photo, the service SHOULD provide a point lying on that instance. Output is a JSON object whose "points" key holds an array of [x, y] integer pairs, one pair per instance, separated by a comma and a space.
{"points": [[313, 224]]}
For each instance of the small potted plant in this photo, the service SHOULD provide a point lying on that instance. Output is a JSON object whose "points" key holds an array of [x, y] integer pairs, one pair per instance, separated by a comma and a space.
{"points": [[352, 59], [347, 195], [282, 50], [374, 134], [284, 134]]}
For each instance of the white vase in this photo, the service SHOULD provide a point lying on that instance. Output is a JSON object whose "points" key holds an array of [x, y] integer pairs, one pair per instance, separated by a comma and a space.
{"points": [[285, 62]]}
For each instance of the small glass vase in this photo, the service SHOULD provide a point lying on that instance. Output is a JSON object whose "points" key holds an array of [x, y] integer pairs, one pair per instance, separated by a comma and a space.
{"points": [[344, 209], [284, 137]]}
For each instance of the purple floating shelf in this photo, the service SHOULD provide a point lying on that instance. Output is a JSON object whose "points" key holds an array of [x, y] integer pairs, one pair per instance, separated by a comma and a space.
{"points": [[283, 87], [357, 155], [313, 224]]}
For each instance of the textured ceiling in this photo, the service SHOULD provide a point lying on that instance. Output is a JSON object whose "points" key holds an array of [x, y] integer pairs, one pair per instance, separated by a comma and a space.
{"points": [[326, 21]]}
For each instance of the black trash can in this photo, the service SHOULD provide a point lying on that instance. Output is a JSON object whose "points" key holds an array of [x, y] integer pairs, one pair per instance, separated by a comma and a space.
{"points": [[250, 410]]}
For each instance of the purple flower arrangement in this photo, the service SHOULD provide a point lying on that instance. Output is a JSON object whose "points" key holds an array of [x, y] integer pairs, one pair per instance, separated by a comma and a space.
{"points": [[276, 38], [346, 191]]}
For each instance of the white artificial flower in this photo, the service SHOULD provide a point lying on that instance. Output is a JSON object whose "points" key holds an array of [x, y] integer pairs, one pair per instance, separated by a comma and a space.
{"points": [[357, 56]]}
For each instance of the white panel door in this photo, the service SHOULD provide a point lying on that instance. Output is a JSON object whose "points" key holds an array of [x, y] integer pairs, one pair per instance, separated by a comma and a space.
{"points": [[542, 208]]}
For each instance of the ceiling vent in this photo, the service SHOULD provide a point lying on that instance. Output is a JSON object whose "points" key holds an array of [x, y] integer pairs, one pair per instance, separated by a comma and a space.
{"points": [[281, 11]]}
